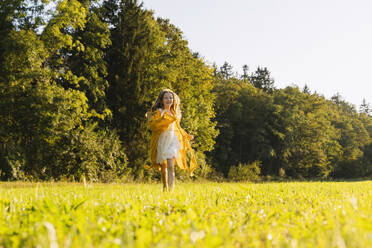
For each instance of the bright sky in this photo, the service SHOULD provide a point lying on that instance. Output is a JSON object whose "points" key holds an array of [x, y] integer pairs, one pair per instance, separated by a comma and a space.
{"points": [[326, 44]]}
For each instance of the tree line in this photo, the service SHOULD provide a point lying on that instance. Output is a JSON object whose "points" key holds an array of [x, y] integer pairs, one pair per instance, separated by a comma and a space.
{"points": [[77, 79]]}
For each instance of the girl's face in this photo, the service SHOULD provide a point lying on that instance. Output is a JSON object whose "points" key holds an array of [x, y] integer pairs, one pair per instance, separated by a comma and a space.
{"points": [[167, 99]]}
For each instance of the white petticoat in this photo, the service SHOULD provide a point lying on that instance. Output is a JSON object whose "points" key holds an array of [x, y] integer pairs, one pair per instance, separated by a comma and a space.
{"points": [[168, 144]]}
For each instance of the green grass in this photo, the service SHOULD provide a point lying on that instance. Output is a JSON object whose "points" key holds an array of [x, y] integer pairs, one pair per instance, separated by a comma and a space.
{"points": [[314, 214]]}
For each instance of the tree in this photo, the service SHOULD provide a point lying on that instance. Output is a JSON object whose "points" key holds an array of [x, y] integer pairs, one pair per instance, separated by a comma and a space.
{"points": [[134, 70], [309, 142], [46, 130], [86, 61], [354, 138], [146, 56], [226, 71], [245, 75], [365, 107], [306, 89], [238, 120], [192, 79], [261, 79]]}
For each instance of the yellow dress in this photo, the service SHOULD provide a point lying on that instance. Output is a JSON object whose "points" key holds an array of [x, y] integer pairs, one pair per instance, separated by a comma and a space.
{"points": [[158, 124]]}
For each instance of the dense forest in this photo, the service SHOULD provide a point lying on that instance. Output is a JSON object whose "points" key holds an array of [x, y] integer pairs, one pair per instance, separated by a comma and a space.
{"points": [[77, 79]]}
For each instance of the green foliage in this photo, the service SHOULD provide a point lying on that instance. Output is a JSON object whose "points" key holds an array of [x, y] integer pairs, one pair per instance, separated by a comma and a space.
{"points": [[86, 61], [134, 71], [244, 115], [226, 92], [76, 82], [309, 141], [245, 172], [289, 130], [355, 139], [69, 16], [46, 130], [94, 155], [261, 79], [146, 56], [192, 79]]}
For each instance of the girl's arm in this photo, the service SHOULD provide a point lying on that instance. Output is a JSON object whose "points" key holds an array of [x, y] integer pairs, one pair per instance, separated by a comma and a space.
{"points": [[185, 134]]}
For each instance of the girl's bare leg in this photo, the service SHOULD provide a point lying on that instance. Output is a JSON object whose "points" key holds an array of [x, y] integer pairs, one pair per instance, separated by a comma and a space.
{"points": [[164, 177], [171, 176]]}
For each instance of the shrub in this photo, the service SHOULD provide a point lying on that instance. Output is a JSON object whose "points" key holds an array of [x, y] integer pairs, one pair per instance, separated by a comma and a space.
{"points": [[245, 172]]}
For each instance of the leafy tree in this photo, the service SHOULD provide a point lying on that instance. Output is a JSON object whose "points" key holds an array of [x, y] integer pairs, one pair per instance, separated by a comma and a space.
{"points": [[354, 137], [226, 92], [309, 141], [46, 130], [192, 79], [76, 82], [261, 79], [134, 70], [146, 56], [86, 59]]}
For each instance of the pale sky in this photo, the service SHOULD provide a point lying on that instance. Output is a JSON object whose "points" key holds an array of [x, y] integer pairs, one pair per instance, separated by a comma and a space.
{"points": [[326, 44]]}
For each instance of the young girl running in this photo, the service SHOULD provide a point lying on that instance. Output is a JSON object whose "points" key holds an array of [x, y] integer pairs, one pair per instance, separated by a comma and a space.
{"points": [[169, 142]]}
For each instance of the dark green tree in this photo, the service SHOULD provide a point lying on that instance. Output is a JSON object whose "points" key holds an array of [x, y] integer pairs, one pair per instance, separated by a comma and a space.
{"points": [[354, 137], [134, 70], [146, 56], [245, 75], [226, 71], [306, 89], [261, 79], [365, 107]]}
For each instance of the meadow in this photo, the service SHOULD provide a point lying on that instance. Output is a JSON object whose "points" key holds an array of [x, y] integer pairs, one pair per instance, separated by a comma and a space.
{"points": [[293, 214]]}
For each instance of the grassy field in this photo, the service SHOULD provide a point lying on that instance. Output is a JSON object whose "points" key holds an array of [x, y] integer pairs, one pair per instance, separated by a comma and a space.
{"points": [[313, 214]]}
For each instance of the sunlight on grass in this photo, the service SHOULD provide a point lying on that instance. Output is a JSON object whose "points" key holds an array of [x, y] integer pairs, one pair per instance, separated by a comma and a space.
{"points": [[315, 214]]}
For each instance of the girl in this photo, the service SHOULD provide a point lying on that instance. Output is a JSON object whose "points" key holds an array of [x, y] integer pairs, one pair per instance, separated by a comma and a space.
{"points": [[169, 142]]}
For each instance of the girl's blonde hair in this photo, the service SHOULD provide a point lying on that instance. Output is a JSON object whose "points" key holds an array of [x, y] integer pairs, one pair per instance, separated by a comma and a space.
{"points": [[175, 108]]}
